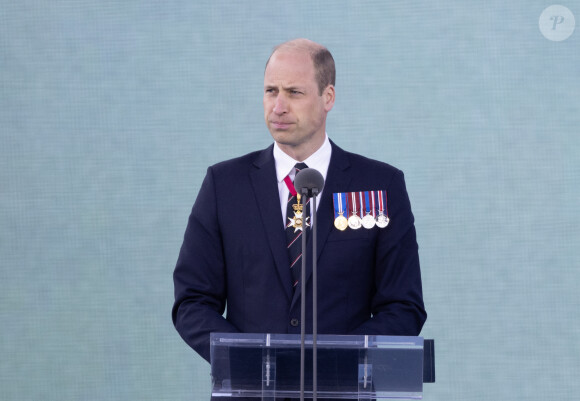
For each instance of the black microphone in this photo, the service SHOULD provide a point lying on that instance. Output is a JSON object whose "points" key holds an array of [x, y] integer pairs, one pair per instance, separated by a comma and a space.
{"points": [[309, 182]]}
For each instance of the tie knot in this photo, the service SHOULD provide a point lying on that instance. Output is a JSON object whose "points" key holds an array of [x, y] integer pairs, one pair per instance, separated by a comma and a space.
{"points": [[300, 166]]}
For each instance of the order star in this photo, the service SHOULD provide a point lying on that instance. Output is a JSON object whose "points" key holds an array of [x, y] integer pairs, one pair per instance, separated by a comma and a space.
{"points": [[296, 222]]}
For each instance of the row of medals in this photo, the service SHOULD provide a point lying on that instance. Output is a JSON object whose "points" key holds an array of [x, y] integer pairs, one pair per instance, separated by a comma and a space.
{"points": [[355, 221], [342, 223]]}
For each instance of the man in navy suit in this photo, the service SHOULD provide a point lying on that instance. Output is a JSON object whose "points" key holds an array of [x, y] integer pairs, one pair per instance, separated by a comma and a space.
{"points": [[235, 248]]}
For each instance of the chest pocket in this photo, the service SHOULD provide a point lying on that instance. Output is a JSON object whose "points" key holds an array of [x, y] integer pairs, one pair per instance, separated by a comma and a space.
{"points": [[350, 234]]}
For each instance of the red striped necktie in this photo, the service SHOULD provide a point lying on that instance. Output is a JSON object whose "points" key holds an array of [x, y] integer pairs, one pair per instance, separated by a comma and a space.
{"points": [[297, 219]]}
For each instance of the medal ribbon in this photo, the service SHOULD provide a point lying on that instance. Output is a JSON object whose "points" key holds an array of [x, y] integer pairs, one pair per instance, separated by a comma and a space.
{"points": [[339, 204], [290, 185], [381, 201], [348, 202], [354, 204], [367, 203]]}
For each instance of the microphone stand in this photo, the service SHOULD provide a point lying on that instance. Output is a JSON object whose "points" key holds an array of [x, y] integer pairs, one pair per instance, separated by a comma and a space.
{"points": [[313, 193], [309, 182]]}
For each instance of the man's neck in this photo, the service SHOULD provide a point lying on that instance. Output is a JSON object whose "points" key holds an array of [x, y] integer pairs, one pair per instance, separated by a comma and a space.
{"points": [[301, 152]]}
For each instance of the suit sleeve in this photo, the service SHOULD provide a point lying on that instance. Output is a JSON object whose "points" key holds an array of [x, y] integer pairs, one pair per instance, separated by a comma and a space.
{"points": [[200, 277], [397, 302]]}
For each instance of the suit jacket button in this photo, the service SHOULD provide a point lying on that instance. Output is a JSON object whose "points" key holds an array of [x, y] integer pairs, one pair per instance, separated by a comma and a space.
{"points": [[294, 322]]}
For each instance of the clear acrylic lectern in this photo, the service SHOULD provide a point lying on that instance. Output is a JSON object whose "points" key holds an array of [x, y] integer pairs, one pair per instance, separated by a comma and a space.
{"points": [[267, 366]]}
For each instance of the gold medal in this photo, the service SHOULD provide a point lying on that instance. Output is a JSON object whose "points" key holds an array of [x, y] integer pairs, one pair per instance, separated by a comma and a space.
{"points": [[341, 223]]}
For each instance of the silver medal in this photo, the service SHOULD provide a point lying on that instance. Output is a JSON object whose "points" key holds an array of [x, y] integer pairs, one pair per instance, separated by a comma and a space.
{"points": [[382, 220], [368, 221], [354, 222]]}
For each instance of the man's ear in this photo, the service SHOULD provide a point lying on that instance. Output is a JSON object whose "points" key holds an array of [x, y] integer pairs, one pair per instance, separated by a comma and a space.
{"points": [[328, 97]]}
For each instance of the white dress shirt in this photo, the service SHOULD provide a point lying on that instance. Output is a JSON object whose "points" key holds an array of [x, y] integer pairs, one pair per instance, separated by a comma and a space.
{"points": [[319, 160]]}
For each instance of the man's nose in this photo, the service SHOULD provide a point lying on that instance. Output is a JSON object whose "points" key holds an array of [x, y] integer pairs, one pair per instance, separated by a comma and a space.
{"points": [[280, 105]]}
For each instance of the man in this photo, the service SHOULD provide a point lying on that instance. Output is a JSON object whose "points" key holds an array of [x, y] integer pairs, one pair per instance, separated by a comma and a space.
{"points": [[235, 248]]}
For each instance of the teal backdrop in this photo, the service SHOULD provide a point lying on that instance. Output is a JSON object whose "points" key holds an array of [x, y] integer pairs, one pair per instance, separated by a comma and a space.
{"points": [[111, 111]]}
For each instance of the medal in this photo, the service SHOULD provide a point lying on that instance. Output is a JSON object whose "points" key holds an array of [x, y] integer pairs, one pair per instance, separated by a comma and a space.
{"points": [[340, 221], [298, 221], [383, 217], [368, 221], [382, 221], [354, 221]]}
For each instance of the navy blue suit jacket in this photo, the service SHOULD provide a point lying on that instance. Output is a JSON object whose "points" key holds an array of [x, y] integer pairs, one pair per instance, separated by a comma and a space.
{"points": [[234, 252]]}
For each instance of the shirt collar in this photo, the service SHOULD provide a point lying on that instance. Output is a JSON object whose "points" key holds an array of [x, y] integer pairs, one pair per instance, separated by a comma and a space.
{"points": [[319, 160]]}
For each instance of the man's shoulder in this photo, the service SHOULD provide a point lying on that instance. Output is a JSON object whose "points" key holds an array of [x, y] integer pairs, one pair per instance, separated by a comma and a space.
{"points": [[363, 161], [242, 163], [360, 162]]}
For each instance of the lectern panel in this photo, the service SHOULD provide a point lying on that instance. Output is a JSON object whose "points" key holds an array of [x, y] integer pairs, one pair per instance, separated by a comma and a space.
{"points": [[359, 367]]}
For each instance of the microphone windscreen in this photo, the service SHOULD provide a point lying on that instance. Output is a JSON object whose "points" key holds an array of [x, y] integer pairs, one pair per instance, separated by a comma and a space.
{"points": [[308, 179]]}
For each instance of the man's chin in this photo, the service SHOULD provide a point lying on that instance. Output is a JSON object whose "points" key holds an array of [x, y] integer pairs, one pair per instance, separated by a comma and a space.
{"points": [[283, 137]]}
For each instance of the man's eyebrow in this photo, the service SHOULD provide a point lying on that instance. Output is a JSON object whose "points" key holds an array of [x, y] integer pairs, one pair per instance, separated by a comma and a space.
{"points": [[289, 88], [285, 88], [292, 88]]}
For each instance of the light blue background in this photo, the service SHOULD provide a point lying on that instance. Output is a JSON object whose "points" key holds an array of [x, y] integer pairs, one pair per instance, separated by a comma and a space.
{"points": [[110, 112]]}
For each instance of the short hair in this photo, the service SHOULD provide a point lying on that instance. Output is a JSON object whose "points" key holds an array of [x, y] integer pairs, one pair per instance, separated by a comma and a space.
{"points": [[324, 69]]}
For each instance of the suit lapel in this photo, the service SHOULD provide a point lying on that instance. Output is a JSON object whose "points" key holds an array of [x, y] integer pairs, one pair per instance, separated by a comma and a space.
{"points": [[338, 178], [264, 183]]}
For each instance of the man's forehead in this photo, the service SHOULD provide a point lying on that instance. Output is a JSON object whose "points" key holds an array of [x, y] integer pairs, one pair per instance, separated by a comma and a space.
{"points": [[292, 53], [292, 68], [288, 81]]}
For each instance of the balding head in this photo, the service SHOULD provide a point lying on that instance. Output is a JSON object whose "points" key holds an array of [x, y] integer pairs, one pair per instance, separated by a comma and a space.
{"points": [[325, 72]]}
